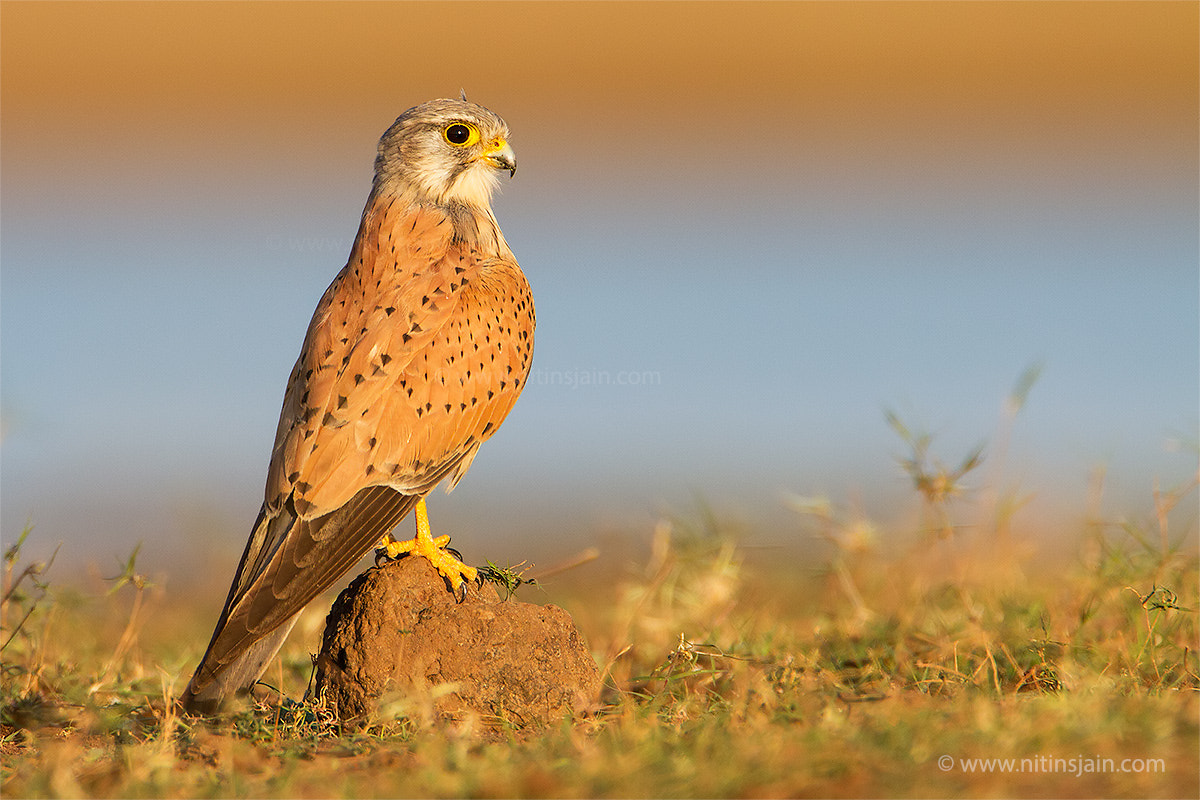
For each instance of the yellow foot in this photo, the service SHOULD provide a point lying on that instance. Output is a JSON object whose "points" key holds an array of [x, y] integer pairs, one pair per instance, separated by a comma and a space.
{"points": [[423, 544]]}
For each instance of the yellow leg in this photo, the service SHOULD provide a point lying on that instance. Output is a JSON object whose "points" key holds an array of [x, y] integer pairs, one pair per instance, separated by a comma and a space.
{"points": [[423, 544]]}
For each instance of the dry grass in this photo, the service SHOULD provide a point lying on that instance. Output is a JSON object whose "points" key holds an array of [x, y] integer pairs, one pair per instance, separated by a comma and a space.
{"points": [[727, 675]]}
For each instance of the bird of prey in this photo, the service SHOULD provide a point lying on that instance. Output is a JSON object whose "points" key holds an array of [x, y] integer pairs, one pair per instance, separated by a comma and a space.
{"points": [[414, 356]]}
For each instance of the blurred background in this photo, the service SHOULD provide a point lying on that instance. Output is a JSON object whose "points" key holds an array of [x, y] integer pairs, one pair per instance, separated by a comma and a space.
{"points": [[750, 230]]}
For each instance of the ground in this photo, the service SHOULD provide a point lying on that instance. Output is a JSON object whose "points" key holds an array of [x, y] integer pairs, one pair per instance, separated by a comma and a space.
{"points": [[965, 662]]}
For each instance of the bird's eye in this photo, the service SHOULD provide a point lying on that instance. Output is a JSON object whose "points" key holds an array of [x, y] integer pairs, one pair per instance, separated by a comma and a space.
{"points": [[460, 134]]}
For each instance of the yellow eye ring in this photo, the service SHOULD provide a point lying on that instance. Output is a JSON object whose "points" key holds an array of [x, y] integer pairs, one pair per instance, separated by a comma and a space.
{"points": [[460, 134]]}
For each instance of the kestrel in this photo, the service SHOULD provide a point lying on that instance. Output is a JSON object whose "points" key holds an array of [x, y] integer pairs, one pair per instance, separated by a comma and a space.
{"points": [[414, 356]]}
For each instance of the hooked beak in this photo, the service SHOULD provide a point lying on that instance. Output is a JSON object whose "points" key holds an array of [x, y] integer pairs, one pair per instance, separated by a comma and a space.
{"points": [[502, 157]]}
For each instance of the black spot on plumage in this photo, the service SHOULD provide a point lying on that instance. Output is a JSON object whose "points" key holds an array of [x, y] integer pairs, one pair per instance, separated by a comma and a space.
{"points": [[358, 378]]}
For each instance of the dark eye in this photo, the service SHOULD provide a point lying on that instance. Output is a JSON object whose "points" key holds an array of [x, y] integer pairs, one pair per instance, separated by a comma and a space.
{"points": [[458, 134]]}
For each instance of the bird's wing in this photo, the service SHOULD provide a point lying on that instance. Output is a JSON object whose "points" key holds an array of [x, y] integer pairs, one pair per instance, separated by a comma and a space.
{"points": [[416, 354]]}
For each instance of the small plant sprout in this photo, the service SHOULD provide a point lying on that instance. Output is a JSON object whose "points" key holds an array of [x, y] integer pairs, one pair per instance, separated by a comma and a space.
{"points": [[509, 578], [936, 483]]}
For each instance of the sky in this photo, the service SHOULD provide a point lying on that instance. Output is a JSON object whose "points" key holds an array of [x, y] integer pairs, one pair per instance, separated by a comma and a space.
{"points": [[751, 230]]}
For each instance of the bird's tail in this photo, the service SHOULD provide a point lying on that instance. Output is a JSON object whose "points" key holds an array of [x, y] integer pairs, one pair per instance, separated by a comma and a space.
{"points": [[214, 681], [287, 562], [209, 688]]}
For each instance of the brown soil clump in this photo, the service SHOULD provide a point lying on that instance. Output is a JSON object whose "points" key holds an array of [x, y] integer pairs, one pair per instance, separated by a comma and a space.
{"points": [[397, 633]]}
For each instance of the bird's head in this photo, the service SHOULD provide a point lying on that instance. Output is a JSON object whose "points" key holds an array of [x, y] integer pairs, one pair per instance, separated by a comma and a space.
{"points": [[445, 152]]}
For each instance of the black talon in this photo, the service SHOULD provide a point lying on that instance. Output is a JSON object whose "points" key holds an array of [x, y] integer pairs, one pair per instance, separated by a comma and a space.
{"points": [[455, 593]]}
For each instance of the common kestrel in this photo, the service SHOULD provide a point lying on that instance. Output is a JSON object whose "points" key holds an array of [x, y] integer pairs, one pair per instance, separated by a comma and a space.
{"points": [[414, 356]]}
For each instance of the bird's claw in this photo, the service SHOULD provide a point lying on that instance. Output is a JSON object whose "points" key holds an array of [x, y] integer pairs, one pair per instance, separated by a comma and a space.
{"points": [[446, 560]]}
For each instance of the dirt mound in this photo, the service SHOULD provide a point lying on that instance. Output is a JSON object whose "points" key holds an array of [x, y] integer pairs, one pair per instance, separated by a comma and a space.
{"points": [[397, 632]]}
